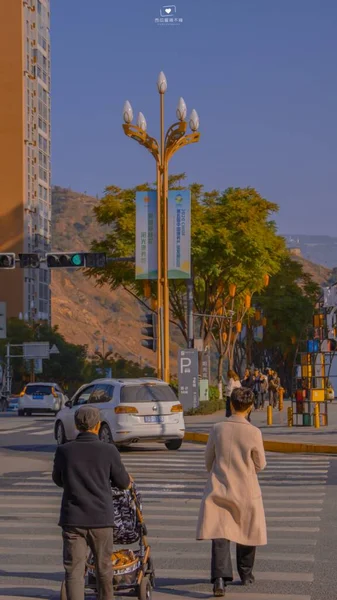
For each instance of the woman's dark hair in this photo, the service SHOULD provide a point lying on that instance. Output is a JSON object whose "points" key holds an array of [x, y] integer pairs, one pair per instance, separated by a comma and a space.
{"points": [[232, 375], [242, 399]]}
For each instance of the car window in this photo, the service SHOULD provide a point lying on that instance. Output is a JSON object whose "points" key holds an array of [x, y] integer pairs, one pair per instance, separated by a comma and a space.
{"points": [[83, 396], [40, 390], [102, 393], [147, 393]]}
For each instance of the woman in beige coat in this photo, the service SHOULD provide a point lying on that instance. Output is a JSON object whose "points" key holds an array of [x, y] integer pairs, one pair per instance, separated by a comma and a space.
{"points": [[232, 508]]}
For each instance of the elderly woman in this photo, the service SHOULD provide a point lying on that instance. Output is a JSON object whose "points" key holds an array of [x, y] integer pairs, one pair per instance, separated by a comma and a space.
{"points": [[232, 508]]}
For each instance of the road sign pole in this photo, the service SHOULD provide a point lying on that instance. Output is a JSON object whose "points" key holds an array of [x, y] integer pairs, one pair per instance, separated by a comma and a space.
{"points": [[8, 369]]}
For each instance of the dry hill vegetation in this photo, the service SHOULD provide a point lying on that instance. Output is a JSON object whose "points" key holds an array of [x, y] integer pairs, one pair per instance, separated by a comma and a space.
{"points": [[84, 312]]}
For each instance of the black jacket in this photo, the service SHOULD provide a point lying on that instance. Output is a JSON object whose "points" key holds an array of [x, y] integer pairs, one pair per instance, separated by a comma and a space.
{"points": [[248, 382], [86, 469]]}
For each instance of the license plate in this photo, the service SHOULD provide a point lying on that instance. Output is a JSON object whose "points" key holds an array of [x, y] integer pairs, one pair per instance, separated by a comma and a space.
{"points": [[38, 396], [154, 419]]}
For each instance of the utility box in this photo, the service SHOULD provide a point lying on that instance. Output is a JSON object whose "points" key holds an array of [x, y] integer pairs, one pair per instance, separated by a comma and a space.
{"points": [[317, 395]]}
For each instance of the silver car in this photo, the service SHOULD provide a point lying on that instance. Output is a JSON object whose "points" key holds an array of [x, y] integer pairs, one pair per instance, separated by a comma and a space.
{"points": [[41, 398]]}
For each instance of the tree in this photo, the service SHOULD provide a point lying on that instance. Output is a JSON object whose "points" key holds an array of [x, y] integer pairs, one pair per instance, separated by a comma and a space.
{"points": [[234, 240], [69, 368], [288, 306]]}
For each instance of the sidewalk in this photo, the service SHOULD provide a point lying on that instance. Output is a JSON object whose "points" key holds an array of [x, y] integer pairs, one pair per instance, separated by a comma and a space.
{"points": [[278, 437]]}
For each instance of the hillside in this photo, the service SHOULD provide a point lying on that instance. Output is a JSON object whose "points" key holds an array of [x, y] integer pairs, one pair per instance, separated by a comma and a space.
{"points": [[319, 249], [319, 273], [84, 312]]}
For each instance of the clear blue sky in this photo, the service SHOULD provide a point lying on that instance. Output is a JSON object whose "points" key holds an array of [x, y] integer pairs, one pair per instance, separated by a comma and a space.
{"points": [[261, 74]]}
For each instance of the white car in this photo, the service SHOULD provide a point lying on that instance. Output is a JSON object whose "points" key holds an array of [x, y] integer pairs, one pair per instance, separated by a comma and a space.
{"points": [[132, 410], [41, 398]]}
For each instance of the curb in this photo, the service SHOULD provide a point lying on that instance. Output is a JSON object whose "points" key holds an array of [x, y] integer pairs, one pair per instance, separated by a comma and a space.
{"points": [[273, 445]]}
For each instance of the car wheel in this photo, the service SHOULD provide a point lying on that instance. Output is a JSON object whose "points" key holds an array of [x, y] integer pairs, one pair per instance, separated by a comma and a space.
{"points": [[28, 413], [105, 434], [173, 444], [21, 413], [60, 435]]}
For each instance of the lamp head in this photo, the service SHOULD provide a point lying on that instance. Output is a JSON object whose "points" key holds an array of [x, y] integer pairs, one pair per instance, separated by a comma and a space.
{"points": [[181, 110], [127, 113], [141, 122], [194, 120], [162, 83]]}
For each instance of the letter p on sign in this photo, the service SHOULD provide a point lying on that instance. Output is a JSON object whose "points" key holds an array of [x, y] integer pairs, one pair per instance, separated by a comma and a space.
{"points": [[185, 364]]}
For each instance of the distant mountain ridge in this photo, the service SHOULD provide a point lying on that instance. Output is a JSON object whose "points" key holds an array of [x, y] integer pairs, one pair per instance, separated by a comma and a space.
{"points": [[319, 249]]}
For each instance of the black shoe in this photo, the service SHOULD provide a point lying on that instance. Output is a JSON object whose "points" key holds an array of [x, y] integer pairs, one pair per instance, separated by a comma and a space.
{"points": [[219, 587], [248, 580]]}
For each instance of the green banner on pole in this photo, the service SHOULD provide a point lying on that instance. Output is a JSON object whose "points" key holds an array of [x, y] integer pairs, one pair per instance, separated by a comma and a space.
{"points": [[146, 235], [179, 234]]}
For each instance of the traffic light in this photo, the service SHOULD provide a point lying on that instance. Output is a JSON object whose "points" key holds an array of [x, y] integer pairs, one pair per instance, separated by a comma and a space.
{"points": [[29, 261], [151, 331], [75, 260], [95, 259], [65, 260], [7, 260]]}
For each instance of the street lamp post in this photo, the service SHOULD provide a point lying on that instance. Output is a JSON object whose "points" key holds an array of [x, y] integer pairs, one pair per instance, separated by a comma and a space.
{"points": [[103, 356], [170, 143]]}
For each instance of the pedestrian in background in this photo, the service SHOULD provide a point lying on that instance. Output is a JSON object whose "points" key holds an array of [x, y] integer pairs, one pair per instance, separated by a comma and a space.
{"points": [[248, 379], [86, 469], [232, 507], [263, 389], [248, 382], [233, 383], [274, 388], [257, 388]]}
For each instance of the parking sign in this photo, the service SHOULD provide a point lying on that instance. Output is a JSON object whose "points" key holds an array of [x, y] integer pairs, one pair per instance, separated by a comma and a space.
{"points": [[188, 379]]}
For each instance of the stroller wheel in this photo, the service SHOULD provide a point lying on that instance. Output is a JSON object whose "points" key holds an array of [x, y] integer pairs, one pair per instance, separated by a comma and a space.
{"points": [[151, 573], [145, 589], [63, 591]]}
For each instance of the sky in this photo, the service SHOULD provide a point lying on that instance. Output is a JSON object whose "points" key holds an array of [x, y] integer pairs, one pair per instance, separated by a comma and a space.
{"points": [[260, 73]]}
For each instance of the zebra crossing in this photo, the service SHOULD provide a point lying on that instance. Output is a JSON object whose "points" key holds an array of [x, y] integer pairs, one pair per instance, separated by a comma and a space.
{"points": [[43, 426], [293, 486]]}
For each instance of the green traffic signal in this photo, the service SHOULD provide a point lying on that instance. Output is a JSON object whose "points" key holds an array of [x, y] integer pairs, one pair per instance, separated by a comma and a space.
{"points": [[77, 260]]}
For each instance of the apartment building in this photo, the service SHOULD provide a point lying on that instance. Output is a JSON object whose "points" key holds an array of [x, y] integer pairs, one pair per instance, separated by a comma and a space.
{"points": [[25, 174]]}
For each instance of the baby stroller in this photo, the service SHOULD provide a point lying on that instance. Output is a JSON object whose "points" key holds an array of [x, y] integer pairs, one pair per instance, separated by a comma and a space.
{"points": [[133, 570]]}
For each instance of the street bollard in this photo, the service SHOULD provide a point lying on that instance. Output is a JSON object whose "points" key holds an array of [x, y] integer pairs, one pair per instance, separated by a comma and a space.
{"points": [[290, 416], [280, 399], [269, 415], [316, 416]]}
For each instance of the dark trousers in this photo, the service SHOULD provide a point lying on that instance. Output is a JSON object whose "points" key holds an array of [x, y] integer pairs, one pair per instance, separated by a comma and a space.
{"points": [[76, 542], [273, 398], [221, 566], [263, 399]]}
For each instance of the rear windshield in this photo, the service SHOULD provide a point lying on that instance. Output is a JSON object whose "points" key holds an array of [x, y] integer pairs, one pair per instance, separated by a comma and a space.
{"points": [[44, 390], [147, 393]]}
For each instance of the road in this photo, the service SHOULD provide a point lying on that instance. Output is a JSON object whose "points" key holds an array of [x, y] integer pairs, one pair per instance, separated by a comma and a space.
{"points": [[299, 494]]}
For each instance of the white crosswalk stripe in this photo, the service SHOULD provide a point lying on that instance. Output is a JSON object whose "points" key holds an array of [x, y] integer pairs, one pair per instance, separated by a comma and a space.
{"points": [[171, 485]]}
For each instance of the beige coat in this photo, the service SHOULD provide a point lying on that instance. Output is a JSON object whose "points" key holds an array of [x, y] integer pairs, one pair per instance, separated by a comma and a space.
{"points": [[232, 506]]}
